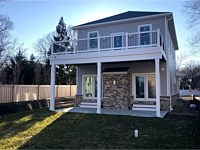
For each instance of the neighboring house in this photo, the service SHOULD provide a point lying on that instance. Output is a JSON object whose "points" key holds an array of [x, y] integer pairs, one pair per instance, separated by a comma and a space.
{"points": [[126, 61]]}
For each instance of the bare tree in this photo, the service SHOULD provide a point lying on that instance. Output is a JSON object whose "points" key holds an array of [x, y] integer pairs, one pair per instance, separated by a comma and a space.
{"points": [[7, 44], [192, 11], [180, 60], [191, 71], [43, 46]]}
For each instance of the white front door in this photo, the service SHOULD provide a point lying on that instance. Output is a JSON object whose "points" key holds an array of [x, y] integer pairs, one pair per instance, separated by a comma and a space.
{"points": [[144, 87]]}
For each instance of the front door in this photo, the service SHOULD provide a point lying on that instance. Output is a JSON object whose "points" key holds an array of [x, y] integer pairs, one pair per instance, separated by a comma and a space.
{"points": [[117, 40], [140, 87], [144, 87]]}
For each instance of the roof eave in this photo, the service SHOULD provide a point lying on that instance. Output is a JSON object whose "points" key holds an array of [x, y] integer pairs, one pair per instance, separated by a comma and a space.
{"points": [[173, 32], [120, 21]]}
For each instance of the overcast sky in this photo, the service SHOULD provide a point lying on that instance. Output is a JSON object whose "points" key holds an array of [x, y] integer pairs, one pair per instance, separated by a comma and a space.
{"points": [[34, 19]]}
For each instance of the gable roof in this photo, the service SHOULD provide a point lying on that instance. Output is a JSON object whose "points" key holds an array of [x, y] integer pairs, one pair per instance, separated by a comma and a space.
{"points": [[134, 15], [122, 16]]}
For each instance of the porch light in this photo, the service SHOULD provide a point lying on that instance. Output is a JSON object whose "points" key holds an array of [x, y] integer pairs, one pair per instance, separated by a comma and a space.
{"points": [[136, 133], [114, 82]]}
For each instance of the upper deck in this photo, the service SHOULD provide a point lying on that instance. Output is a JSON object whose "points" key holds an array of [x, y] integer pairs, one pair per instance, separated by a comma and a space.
{"points": [[116, 47]]}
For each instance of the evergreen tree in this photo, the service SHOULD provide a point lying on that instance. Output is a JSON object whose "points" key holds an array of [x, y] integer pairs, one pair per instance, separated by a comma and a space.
{"points": [[61, 35], [61, 31], [30, 71]]}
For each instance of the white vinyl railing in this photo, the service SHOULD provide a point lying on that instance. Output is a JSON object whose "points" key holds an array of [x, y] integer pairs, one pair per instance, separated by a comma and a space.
{"points": [[123, 41]]}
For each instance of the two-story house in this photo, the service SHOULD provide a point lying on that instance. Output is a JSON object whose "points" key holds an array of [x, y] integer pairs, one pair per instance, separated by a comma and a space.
{"points": [[126, 61]]}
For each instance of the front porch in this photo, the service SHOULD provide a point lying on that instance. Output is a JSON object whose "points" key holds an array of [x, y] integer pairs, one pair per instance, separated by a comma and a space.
{"points": [[113, 88], [114, 112]]}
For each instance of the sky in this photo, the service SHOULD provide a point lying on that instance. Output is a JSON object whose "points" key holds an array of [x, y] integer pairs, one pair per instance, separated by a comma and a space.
{"points": [[35, 18]]}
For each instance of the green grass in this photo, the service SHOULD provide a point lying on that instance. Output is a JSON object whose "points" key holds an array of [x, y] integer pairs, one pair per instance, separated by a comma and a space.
{"points": [[42, 129]]}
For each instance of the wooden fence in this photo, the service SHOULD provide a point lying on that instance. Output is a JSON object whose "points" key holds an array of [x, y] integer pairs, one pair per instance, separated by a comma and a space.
{"points": [[17, 93]]}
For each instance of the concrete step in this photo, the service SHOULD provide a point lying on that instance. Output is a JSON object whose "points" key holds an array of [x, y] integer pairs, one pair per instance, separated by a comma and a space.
{"points": [[144, 107], [89, 103], [88, 106]]}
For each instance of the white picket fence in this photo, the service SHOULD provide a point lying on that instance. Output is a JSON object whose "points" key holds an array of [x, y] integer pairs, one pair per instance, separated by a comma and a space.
{"points": [[17, 93]]}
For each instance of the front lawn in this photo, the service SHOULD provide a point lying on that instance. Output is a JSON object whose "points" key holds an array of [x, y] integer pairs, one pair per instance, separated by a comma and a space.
{"points": [[42, 129]]}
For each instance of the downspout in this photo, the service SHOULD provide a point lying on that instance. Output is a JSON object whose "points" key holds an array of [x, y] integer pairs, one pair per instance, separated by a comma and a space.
{"points": [[167, 68], [170, 103]]}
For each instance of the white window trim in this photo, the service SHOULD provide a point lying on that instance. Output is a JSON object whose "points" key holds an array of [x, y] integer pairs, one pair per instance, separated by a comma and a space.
{"points": [[117, 34], [150, 29], [146, 86], [83, 86], [88, 41]]}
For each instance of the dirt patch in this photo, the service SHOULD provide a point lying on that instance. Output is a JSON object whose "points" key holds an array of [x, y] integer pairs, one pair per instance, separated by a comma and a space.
{"points": [[182, 108]]}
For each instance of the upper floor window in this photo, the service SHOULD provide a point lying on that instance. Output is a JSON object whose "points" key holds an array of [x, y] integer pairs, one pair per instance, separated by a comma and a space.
{"points": [[145, 36], [93, 39], [117, 40]]}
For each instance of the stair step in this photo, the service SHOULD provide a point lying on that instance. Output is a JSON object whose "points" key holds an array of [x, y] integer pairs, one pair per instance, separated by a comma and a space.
{"points": [[88, 103], [144, 109], [144, 106], [88, 106]]}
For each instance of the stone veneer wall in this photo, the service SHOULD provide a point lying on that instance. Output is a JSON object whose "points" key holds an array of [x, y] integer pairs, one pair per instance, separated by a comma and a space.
{"points": [[116, 96], [164, 103], [78, 99]]}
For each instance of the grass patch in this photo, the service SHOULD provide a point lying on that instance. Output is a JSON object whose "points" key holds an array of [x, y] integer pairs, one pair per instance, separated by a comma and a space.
{"points": [[42, 129]]}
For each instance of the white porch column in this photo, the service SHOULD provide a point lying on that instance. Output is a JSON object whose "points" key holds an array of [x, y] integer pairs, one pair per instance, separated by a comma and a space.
{"points": [[157, 69], [52, 88], [98, 87]]}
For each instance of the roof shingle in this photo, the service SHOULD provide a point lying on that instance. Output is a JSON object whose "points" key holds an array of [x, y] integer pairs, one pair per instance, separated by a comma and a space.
{"points": [[125, 15]]}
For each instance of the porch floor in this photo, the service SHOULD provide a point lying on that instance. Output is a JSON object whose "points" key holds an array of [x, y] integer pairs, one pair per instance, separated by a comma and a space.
{"points": [[113, 112]]}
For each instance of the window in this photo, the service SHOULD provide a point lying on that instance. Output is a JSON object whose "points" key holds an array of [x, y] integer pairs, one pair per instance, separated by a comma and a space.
{"points": [[144, 86], [117, 40], [93, 39], [145, 36], [90, 86]]}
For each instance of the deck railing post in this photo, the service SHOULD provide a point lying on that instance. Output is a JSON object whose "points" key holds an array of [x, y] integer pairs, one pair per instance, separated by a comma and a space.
{"points": [[98, 43], [126, 40]]}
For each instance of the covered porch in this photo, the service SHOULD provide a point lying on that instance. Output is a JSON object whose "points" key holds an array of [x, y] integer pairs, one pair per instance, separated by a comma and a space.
{"points": [[99, 98]]}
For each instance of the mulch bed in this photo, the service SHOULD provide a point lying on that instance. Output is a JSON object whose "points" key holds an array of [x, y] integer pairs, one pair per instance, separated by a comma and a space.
{"points": [[183, 108]]}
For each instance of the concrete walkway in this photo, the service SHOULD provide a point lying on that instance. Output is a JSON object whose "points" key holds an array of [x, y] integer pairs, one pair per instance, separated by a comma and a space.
{"points": [[113, 112]]}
